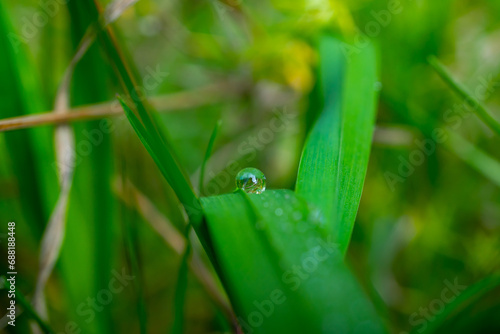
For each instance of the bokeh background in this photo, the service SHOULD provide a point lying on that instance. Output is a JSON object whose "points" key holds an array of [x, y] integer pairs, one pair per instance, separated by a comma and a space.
{"points": [[430, 210]]}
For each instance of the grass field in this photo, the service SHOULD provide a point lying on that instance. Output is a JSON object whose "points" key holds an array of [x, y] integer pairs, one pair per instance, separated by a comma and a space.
{"points": [[234, 166]]}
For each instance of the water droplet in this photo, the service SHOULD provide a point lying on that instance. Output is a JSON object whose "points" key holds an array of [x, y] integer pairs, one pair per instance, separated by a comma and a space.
{"points": [[316, 217], [278, 212], [251, 181], [377, 86]]}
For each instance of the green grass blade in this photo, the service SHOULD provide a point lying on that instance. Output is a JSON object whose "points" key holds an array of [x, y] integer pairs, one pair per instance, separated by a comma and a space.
{"points": [[131, 236], [147, 122], [28, 151], [280, 267], [181, 287], [478, 107], [459, 308], [92, 209], [182, 275], [132, 249], [23, 302], [33, 314], [208, 153], [164, 159], [475, 157], [335, 158]]}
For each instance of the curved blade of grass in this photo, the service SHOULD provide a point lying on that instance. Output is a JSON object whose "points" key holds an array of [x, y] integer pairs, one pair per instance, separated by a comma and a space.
{"points": [[475, 157], [478, 107], [91, 213], [147, 124], [65, 143], [53, 236], [165, 160], [181, 287], [207, 155], [130, 238], [335, 157], [459, 307], [33, 314], [182, 275], [176, 241], [29, 151], [280, 267]]}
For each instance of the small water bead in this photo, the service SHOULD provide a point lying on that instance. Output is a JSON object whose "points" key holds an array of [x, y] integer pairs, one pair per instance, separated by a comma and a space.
{"points": [[316, 217], [278, 212], [251, 181]]}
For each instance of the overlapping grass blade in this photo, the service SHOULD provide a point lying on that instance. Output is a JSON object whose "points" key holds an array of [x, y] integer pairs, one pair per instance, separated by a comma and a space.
{"points": [[182, 275], [335, 157], [258, 242], [281, 268], [146, 123], [164, 159]]}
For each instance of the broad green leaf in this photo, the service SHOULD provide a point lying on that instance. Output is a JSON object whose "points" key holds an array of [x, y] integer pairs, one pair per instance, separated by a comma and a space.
{"points": [[335, 157], [281, 268]]}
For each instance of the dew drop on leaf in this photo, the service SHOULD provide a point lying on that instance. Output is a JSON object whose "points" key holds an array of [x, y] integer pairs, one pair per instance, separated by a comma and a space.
{"points": [[251, 181]]}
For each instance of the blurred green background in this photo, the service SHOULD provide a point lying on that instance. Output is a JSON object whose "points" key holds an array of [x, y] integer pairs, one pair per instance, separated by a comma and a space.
{"points": [[430, 210]]}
